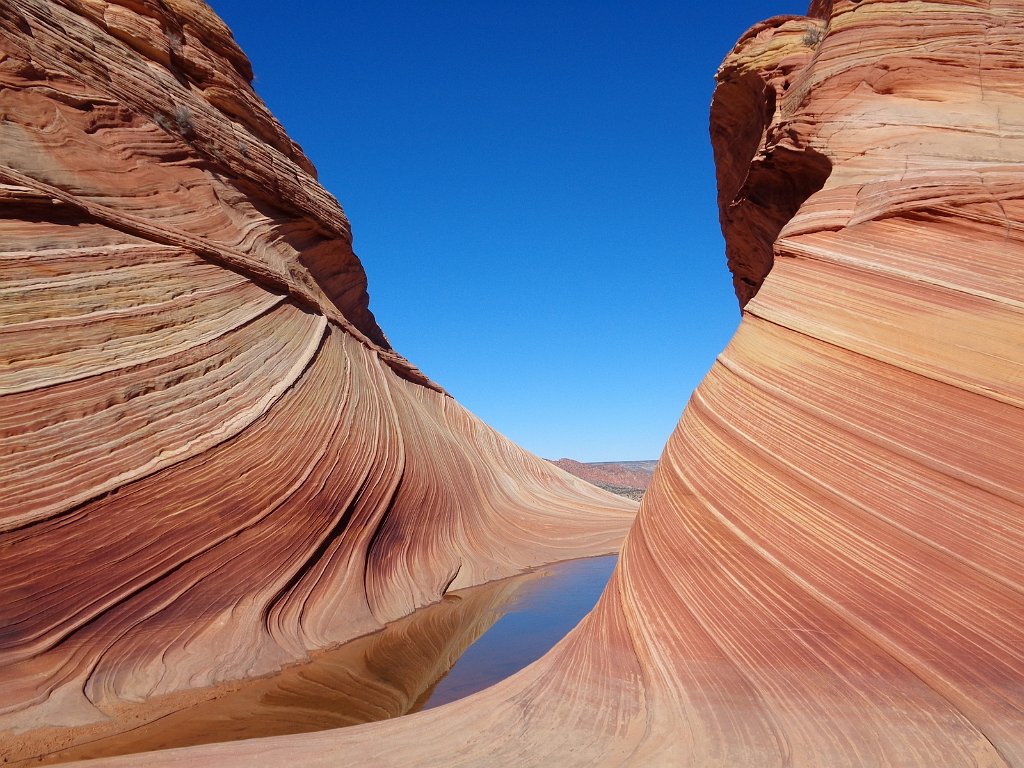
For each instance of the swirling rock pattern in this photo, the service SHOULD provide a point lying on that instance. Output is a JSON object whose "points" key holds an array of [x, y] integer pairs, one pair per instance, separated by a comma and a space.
{"points": [[826, 569], [385, 674], [212, 461]]}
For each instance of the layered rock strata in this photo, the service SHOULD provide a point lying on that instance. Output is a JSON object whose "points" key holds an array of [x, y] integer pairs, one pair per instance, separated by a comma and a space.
{"points": [[385, 674], [826, 569], [212, 460]]}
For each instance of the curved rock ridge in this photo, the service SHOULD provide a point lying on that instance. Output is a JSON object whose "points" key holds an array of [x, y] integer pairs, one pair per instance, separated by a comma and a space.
{"points": [[826, 568], [385, 674], [212, 460]]}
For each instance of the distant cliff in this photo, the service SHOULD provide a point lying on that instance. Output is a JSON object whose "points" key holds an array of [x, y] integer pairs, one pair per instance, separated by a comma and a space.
{"points": [[626, 478]]}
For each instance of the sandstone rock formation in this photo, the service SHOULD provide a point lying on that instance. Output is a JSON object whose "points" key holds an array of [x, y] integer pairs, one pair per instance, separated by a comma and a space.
{"points": [[212, 461], [826, 569], [384, 674]]}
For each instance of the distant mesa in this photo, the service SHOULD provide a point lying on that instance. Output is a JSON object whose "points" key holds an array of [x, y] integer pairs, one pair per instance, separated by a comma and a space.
{"points": [[626, 478]]}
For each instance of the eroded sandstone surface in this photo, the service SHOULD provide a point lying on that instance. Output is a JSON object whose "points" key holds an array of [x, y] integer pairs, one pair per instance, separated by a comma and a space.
{"points": [[212, 461], [826, 569]]}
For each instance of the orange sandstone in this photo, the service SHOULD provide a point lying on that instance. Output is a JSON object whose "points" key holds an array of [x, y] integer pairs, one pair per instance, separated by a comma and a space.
{"points": [[213, 462], [826, 568]]}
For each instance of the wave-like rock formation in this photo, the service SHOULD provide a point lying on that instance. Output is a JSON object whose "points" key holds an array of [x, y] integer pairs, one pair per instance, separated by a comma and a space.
{"points": [[212, 461], [384, 674], [826, 569]]}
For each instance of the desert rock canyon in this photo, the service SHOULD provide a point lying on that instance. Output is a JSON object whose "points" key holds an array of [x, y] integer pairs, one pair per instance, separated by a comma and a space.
{"points": [[213, 463]]}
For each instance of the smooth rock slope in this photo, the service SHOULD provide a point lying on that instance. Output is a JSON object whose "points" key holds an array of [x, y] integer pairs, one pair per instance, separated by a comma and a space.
{"points": [[826, 569], [212, 461]]}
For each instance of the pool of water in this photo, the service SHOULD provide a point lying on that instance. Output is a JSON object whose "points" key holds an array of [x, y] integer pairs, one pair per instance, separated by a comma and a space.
{"points": [[470, 640], [539, 615]]}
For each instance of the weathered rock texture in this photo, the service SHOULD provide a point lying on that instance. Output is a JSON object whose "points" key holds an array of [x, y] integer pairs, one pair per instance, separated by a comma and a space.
{"points": [[384, 674], [826, 569], [211, 459]]}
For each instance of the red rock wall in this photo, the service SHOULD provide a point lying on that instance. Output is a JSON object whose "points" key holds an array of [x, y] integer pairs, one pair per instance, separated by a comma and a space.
{"points": [[212, 460], [826, 569]]}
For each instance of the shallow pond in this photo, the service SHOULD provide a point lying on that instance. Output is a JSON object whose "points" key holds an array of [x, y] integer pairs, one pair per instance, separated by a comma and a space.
{"points": [[539, 615], [470, 640]]}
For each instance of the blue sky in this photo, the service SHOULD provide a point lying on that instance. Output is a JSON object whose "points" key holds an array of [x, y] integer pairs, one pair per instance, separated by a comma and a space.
{"points": [[531, 192]]}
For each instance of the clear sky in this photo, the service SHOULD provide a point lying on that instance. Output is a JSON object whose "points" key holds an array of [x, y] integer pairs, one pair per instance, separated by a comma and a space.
{"points": [[531, 191]]}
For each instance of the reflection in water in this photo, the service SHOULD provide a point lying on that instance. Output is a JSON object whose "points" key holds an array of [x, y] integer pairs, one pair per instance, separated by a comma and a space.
{"points": [[402, 668], [540, 615]]}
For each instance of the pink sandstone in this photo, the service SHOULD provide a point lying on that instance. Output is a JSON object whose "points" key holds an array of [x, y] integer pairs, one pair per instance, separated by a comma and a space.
{"points": [[826, 569], [213, 462]]}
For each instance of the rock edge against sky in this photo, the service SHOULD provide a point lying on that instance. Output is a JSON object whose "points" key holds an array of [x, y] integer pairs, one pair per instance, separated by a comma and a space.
{"points": [[213, 462], [826, 567]]}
